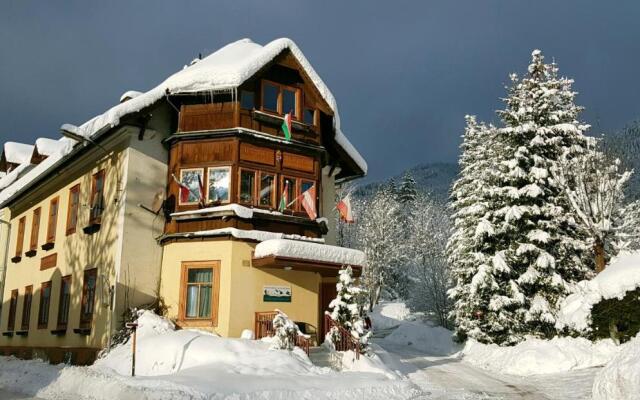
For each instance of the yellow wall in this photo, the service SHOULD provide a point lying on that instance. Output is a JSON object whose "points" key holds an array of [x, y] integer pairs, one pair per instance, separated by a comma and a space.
{"points": [[5, 215], [240, 285]]}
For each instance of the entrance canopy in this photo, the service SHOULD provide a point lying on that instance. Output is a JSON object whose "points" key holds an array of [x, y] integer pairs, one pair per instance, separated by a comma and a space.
{"points": [[307, 256]]}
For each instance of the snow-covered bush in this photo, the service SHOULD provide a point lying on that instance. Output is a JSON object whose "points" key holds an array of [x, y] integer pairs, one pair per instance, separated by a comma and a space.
{"points": [[286, 332], [347, 309]]}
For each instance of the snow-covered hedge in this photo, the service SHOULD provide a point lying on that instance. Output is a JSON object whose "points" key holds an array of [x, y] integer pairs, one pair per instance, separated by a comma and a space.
{"points": [[620, 277], [620, 379]]}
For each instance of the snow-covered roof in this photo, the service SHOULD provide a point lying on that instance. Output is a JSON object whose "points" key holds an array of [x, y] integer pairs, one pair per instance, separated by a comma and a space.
{"points": [[46, 146], [309, 251], [129, 94], [11, 177], [17, 153], [620, 277], [225, 69]]}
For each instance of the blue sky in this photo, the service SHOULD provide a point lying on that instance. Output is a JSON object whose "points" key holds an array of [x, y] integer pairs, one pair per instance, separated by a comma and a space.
{"points": [[404, 73]]}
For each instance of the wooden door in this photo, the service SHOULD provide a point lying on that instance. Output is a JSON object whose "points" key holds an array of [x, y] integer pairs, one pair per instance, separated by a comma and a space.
{"points": [[328, 292]]}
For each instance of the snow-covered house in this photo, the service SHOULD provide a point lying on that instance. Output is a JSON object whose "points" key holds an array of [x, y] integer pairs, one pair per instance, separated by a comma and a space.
{"points": [[191, 192]]}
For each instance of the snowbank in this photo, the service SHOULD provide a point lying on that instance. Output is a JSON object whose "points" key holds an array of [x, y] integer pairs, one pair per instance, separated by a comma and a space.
{"points": [[434, 340], [388, 315], [536, 356], [620, 379], [371, 363], [309, 251], [621, 276]]}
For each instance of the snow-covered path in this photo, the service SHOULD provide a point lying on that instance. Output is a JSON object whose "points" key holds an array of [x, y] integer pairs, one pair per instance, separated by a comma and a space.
{"points": [[451, 378]]}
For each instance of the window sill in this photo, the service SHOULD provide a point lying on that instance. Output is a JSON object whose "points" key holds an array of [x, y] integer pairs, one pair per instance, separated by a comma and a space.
{"points": [[91, 229], [47, 246], [22, 333], [7, 334], [16, 259], [82, 331], [31, 253], [197, 323], [59, 332]]}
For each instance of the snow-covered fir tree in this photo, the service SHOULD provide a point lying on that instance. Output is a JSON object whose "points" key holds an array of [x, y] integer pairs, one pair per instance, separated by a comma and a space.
{"points": [[526, 246], [347, 308], [285, 332], [407, 189]]}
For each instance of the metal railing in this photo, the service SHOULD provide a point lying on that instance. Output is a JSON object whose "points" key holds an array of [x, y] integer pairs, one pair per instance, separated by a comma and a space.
{"points": [[342, 340], [264, 328]]}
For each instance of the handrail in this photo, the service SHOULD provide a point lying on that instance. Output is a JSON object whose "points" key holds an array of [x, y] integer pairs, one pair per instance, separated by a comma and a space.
{"points": [[264, 328], [345, 340]]}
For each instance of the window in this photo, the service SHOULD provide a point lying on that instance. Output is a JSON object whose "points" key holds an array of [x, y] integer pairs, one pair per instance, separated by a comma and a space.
{"points": [[270, 94], [26, 307], [218, 187], [289, 102], [192, 179], [74, 205], [247, 186], [20, 238], [97, 197], [65, 301], [53, 220], [45, 303], [199, 292], [247, 100], [13, 304], [88, 296], [289, 186], [35, 228], [267, 190], [309, 116]]}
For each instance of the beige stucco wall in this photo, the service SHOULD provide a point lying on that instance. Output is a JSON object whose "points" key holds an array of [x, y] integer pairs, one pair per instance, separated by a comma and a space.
{"points": [[5, 215], [241, 284]]}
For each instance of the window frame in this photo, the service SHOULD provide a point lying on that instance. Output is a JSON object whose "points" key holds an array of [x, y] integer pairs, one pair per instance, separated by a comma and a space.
{"points": [[13, 310], [315, 116], [27, 303], [274, 189], [87, 318], [73, 210], [35, 228], [22, 225], [180, 172], [42, 322], [52, 223], [253, 100], [94, 216], [281, 87], [62, 325], [214, 265], [254, 197], [229, 189]]}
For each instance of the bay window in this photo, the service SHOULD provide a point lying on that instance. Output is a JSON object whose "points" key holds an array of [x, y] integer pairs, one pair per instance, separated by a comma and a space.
{"points": [[267, 190], [219, 179], [247, 186], [191, 178]]}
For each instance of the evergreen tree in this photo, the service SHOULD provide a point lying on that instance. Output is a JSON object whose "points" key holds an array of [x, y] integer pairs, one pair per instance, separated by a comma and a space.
{"points": [[526, 247], [407, 191], [347, 308]]}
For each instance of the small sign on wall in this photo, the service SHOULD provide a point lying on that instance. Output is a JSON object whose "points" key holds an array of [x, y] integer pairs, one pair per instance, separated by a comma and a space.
{"points": [[277, 294]]}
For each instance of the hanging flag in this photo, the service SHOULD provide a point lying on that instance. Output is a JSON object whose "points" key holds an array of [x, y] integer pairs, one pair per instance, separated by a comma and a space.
{"points": [[184, 190], [309, 202], [201, 186], [286, 126], [344, 208], [284, 198]]}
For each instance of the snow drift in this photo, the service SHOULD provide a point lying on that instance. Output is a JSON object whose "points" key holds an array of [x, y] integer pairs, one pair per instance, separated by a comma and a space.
{"points": [[434, 340], [387, 315], [620, 379]]}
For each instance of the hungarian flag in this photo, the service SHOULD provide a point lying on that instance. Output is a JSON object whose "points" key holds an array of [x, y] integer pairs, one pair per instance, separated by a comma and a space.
{"points": [[284, 199], [286, 126], [184, 190], [344, 208], [309, 202]]}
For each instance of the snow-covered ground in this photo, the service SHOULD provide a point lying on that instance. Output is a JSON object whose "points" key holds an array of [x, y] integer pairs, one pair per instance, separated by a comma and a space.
{"points": [[190, 364]]}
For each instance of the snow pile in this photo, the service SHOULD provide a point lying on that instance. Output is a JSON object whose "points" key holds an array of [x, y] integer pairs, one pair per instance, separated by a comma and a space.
{"points": [[621, 276], [247, 234], [17, 153], [235, 209], [434, 340], [47, 147], [536, 356], [620, 379], [309, 251], [388, 315], [8, 179], [371, 363], [161, 350]]}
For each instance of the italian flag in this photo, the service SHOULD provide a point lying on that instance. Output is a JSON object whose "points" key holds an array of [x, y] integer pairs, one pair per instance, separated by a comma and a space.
{"points": [[286, 126], [284, 200]]}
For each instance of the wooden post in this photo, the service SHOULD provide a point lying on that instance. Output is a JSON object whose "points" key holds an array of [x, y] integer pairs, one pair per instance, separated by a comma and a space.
{"points": [[133, 326]]}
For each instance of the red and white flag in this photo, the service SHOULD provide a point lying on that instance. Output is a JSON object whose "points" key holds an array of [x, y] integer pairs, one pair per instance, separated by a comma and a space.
{"points": [[309, 202], [344, 208], [184, 190]]}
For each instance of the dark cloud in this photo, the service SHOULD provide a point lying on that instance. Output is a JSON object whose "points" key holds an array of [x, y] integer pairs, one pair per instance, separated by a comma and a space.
{"points": [[404, 73]]}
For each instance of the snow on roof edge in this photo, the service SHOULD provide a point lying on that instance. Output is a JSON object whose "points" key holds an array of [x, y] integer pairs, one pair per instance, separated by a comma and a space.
{"points": [[17, 153], [310, 251]]}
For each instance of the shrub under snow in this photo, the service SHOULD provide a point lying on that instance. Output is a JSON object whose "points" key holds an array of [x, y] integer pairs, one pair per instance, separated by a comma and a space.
{"points": [[620, 379]]}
